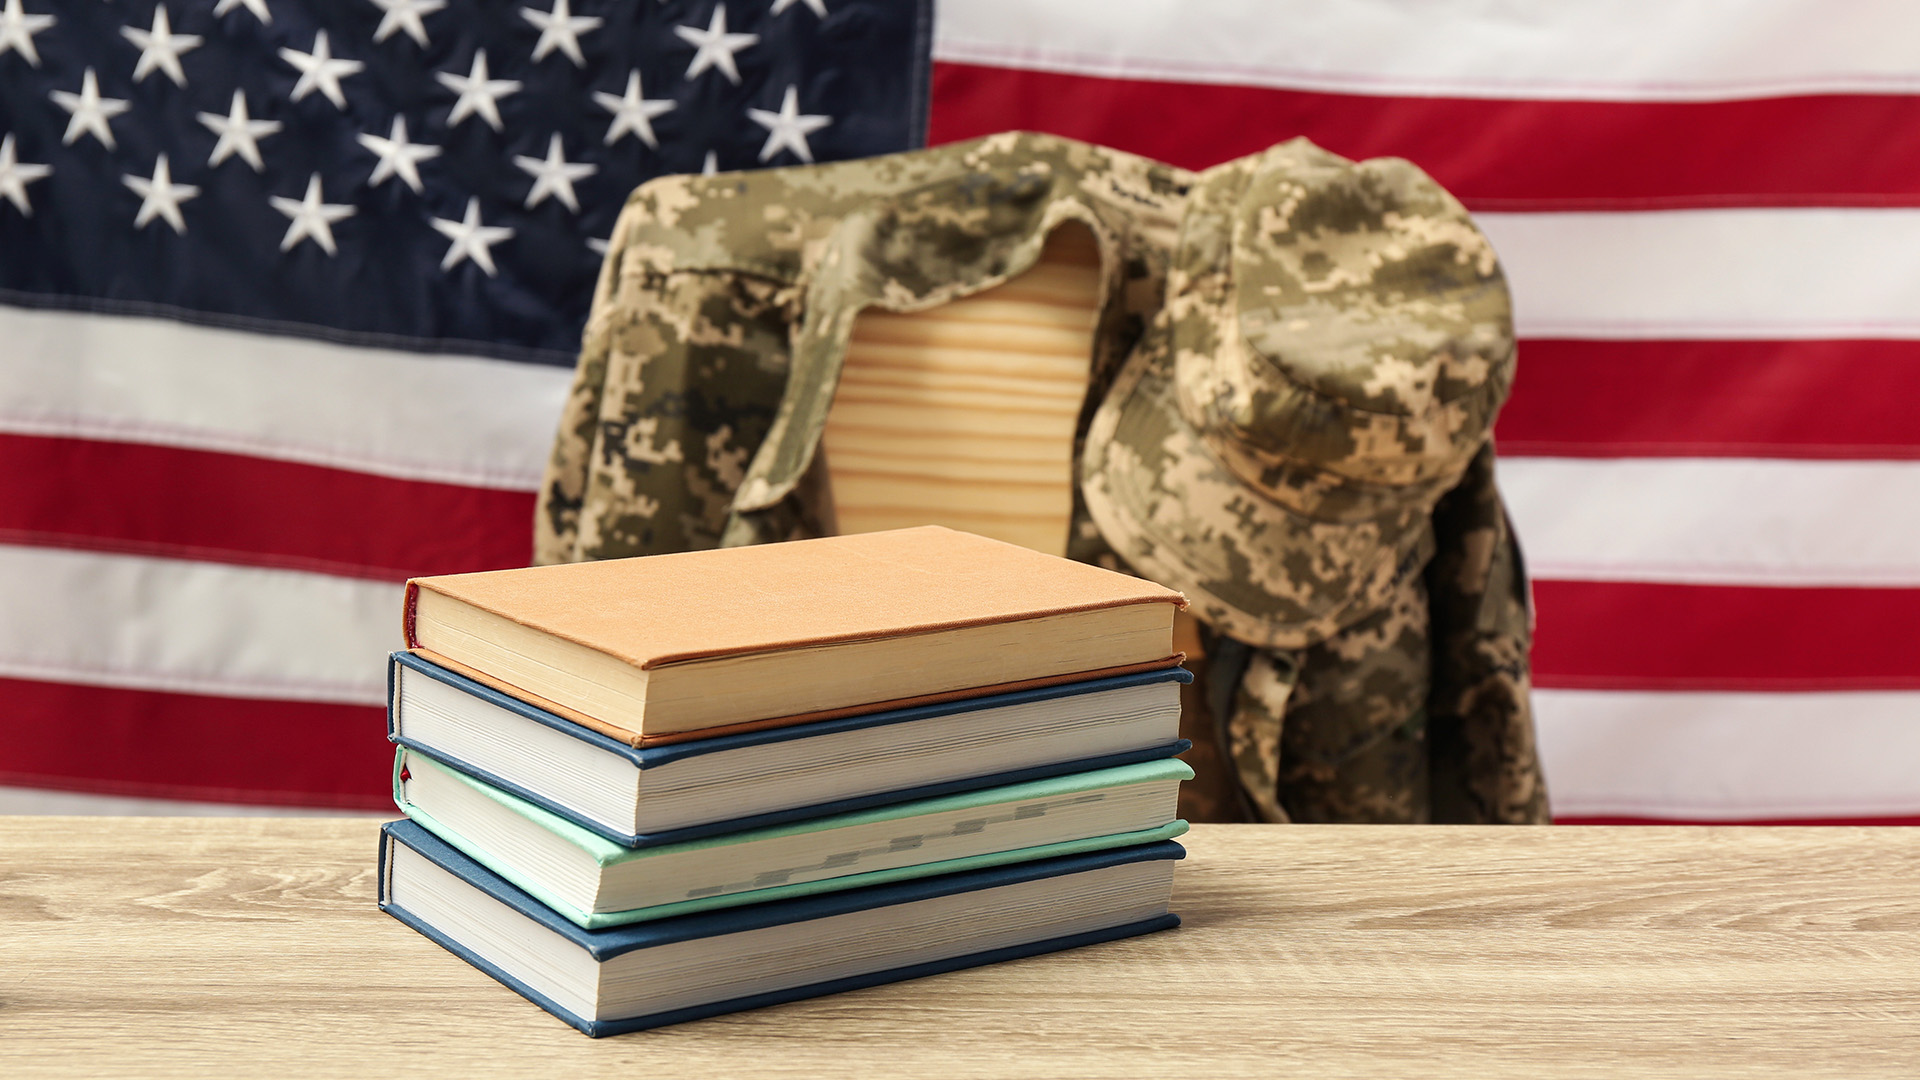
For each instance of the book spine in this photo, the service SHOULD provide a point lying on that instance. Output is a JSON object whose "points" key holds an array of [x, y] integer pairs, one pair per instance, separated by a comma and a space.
{"points": [[406, 614], [400, 776], [393, 701]]}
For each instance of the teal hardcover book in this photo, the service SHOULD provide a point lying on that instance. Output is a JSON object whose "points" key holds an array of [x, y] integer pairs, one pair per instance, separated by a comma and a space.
{"points": [[592, 882]]}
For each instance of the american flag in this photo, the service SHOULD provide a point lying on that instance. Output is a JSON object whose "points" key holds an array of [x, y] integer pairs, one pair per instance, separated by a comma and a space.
{"points": [[1712, 453]]}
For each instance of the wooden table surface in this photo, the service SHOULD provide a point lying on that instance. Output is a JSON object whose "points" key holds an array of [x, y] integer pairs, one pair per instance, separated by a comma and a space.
{"points": [[175, 946]]}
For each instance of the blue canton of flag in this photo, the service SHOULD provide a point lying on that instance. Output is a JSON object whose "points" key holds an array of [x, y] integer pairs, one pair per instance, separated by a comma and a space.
{"points": [[423, 171], [290, 292]]}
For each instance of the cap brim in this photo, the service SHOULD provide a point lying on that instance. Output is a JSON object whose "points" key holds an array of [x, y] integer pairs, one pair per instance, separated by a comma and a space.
{"points": [[1250, 567]]}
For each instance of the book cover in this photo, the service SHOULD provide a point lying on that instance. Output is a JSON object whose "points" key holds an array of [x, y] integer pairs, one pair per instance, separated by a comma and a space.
{"points": [[670, 644], [608, 944], [773, 597]]}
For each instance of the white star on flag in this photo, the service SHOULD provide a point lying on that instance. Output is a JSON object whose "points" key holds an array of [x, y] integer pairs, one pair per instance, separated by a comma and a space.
{"points": [[405, 15], [398, 157], [788, 128], [311, 218], [471, 240], [17, 29], [15, 175], [631, 112], [239, 133], [90, 112], [478, 94], [710, 166], [160, 48], [554, 176], [258, 7], [819, 7], [160, 196], [560, 29], [715, 46], [319, 70]]}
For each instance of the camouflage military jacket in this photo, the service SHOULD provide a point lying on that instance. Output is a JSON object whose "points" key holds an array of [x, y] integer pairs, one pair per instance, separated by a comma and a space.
{"points": [[709, 364]]}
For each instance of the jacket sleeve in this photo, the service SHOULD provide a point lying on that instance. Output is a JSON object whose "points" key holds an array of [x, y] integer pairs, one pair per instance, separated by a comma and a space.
{"points": [[1485, 763], [679, 376], [556, 518]]}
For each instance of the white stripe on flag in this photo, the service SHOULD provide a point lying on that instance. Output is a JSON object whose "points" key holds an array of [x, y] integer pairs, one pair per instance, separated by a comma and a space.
{"points": [[1730, 756], [1774, 273], [1712, 521], [1631, 50], [191, 627], [452, 419]]}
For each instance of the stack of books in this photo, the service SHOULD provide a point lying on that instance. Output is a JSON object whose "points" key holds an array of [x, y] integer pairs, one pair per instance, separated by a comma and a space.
{"points": [[647, 790]]}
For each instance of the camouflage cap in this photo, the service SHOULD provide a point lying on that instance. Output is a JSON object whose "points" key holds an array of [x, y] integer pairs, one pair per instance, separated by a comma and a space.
{"points": [[1335, 343]]}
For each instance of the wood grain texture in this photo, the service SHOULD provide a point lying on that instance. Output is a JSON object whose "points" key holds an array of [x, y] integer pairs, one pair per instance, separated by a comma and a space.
{"points": [[174, 946], [963, 415]]}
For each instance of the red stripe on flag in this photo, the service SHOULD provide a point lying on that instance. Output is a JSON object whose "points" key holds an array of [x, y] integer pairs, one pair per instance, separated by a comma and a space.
{"points": [[1639, 636], [1605, 820], [152, 744], [1798, 399], [1495, 154], [195, 504]]}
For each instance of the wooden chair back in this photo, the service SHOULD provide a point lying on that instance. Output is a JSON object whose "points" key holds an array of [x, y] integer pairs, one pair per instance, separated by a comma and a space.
{"points": [[963, 415]]}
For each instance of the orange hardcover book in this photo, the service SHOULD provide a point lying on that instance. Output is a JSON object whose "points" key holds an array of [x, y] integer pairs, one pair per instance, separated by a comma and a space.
{"points": [[651, 648]]}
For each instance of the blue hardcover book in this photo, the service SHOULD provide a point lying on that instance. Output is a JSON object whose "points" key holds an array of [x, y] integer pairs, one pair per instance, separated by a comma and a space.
{"points": [[682, 791], [627, 978]]}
